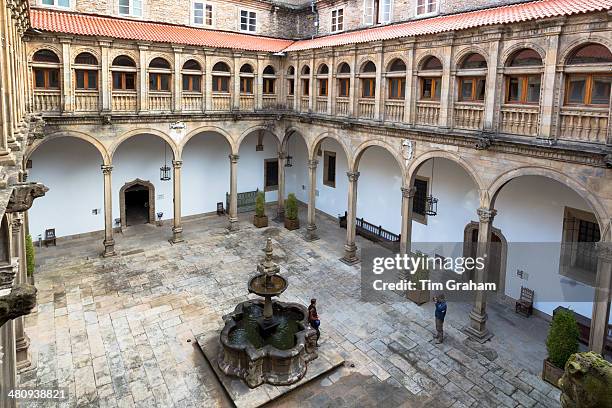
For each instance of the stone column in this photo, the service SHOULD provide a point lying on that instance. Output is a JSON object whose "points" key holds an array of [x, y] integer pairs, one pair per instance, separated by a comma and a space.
{"points": [[143, 92], [236, 81], [491, 93], [22, 341], [406, 232], [477, 328], [410, 90], [280, 208], [350, 249], [379, 97], [177, 228], [233, 207], [601, 302], [8, 367], [105, 80], [312, 94], [208, 84], [109, 242], [178, 79], [258, 87], [311, 234], [67, 94], [447, 86], [548, 83]]}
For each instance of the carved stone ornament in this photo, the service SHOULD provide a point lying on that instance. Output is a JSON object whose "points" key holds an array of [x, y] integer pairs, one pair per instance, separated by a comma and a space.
{"points": [[177, 125], [608, 160], [19, 302], [483, 142], [407, 150], [23, 196], [486, 215], [352, 176], [7, 276]]}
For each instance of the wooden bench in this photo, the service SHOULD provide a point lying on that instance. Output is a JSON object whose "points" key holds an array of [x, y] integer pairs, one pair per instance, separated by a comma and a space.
{"points": [[524, 305], [584, 328], [373, 233], [245, 201]]}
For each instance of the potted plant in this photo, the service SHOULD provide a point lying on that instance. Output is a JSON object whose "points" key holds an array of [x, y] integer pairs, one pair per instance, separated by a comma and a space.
{"points": [[260, 219], [561, 343], [30, 258], [418, 295], [291, 213]]}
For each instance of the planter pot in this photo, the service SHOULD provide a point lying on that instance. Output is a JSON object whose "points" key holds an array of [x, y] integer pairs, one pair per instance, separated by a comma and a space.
{"points": [[418, 296], [551, 373], [260, 222], [292, 224]]}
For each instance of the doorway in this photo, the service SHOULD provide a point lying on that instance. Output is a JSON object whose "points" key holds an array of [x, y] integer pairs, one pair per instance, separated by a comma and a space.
{"points": [[498, 251], [137, 202]]}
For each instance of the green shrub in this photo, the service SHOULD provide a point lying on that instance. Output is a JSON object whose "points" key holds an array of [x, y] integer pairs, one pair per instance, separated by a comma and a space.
{"points": [[260, 204], [563, 337], [30, 255], [291, 207]]}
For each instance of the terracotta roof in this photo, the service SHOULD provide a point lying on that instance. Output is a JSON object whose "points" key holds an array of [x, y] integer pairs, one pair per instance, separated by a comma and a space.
{"points": [[499, 15], [83, 24]]}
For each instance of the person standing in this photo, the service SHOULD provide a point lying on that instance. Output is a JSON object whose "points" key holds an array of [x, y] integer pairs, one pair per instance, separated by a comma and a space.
{"points": [[440, 315], [313, 317]]}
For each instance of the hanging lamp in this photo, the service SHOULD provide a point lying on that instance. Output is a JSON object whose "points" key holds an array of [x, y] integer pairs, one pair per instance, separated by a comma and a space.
{"points": [[164, 171], [431, 202]]}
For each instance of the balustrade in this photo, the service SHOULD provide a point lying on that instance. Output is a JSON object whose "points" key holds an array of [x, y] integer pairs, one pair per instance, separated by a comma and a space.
{"points": [[342, 106], [47, 101], [394, 111], [290, 101], [221, 102], [469, 115], [269, 101], [304, 101], [366, 108], [427, 113], [192, 102], [322, 104], [247, 102], [520, 120], [124, 101], [584, 124], [86, 101], [160, 101]]}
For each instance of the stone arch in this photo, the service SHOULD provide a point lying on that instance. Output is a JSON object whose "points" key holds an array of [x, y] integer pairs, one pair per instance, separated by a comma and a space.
{"points": [[416, 164], [361, 149], [106, 157], [269, 63], [389, 59], [503, 262], [363, 62], [50, 47], [313, 147], [288, 133], [574, 45], [226, 61], [128, 53], [228, 138], [603, 219], [74, 52], [146, 131], [162, 55], [339, 64], [472, 49], [425, 56], [519, 46], [183, 58], [252, 129], [151, 189]]}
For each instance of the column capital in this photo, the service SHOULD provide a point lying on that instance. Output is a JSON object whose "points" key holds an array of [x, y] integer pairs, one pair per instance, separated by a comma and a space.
{"points": [[408, 192], [106, 168], [352, 175], [282, 155], [177, 164], [312, 164], [486, 215], [234, 158]]}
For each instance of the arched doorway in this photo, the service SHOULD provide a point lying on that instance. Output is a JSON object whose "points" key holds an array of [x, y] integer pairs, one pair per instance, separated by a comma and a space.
{"points": [[498, 254], [137, 203]]}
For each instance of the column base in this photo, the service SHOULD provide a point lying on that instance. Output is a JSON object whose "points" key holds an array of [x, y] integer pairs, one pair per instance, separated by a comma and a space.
{"points": [[477, 329], [311, 234], [280, 215], [177, 235], [24, 356], [350, 255], [109, 248], [233, 224]]}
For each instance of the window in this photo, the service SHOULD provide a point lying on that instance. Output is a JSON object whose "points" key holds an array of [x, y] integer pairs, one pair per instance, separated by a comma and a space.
{"points": [[46, 76], [323, 87], [85, 58], [124, 81], [474, 61], [430, 89], [426, 7], [124, 61], [291, 86], [344, 68], [523, 89], [221, 80], [525, 58], [337, 20], [246, 85], [588, 89], [329, 169], [202, 13], [344, 85], [397, 88], [192, 76], [130, 7], [45, 56], [419, 201], [368, 12], [368, 87], [248, 21], [579, 253], [86, 79], [591, 54], [432, 64], [159, 82], [57, 3], [270, 174], [384, 15], [472, 89], [305, 86], [268, 86]]}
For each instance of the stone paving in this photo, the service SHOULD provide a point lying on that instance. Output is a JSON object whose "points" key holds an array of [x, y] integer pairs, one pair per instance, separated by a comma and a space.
{"points": [[119, 332]]}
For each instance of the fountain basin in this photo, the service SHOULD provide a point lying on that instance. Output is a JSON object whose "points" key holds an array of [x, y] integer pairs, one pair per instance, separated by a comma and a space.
{"points": [[267, 360]]}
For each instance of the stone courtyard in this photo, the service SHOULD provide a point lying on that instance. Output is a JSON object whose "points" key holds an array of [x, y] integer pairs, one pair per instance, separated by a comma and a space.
{"points": [[120, 331]]}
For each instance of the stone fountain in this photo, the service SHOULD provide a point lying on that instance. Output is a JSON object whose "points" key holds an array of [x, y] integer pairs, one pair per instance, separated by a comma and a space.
{"points": [[267, 341]]}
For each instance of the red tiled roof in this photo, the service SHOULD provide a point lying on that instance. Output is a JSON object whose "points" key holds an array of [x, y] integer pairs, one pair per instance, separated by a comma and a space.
{"points": [[499, 15], [82, 24]]}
